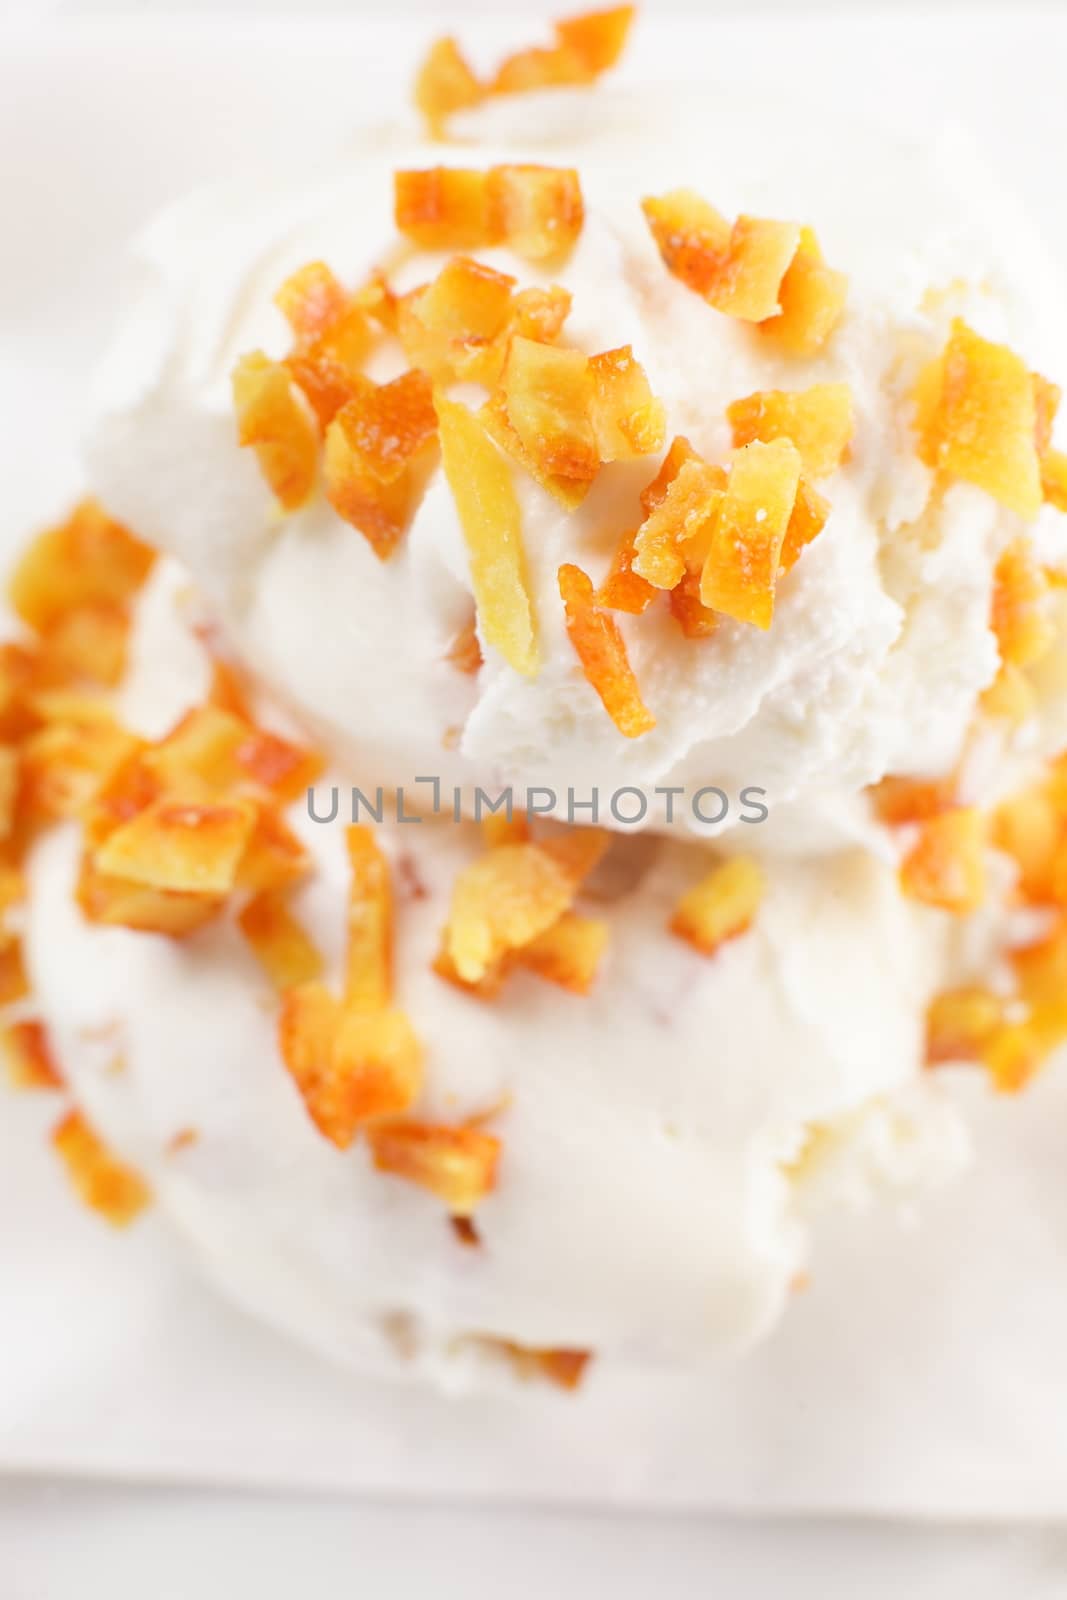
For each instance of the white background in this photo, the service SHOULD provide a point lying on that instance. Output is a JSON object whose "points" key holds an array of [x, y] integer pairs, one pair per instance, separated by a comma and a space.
{"points": [[60, 1539]]}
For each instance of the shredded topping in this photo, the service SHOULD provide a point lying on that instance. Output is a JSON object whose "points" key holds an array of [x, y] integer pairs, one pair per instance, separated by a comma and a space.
{"points": [[105, 1183], [721, 906], [601, 650]]}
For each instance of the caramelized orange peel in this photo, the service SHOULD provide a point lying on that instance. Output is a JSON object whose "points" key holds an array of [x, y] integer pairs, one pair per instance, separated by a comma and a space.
{"points": [[722, 906], [272, 421], [456, 1164], [537, 211], [819, 421], [106, 1184], [601, 649], [945, 867]]}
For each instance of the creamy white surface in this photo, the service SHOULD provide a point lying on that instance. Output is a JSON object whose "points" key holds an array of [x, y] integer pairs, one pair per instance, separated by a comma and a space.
{"points": [[880, 643], [641, 1207]]}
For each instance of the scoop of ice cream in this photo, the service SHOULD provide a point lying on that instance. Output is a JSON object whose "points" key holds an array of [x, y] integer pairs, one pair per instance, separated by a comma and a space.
{"points": [[648, 1204], [880, 644]]}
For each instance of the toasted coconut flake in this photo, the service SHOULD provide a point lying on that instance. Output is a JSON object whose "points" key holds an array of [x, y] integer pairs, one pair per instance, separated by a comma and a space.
{"points": [[311, 299], [960, 1024], [481, 486], [548, 393], [118, 902], [536, 210], [741, 569], [105, 1183], [271, 420], [369, 980], [89, 560], [946, 866], [28, 1053], [458, 1165], [14, 984], [739, 270], [623, 589], [1023, 629], [819, 421], [185, 847], [721, 906], [501, 902], [601, 650], [676, 529], [281, 946], [977, 418], [812, 298], [628, 420], [569, 952], [445, 84], [443, 208], [900, 800]]}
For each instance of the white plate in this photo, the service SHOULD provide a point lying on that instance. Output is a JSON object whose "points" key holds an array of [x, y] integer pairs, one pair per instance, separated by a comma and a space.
{"points": [[116, 1361]]}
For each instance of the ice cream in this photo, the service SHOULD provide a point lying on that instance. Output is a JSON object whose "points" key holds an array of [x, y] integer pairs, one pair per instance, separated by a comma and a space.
{"points": [[881, 643]]}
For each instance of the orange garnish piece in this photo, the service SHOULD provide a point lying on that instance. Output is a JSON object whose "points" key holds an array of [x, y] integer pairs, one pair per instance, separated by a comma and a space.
{"points": [[500, 903], [465, 651], [538, 211], [14, 984], [287, 770], [812, 298], [333, 336], [749, 530], [368, 982], [628, 420], [488, 509], [445, 84], [500, 828], [466, 301], [976, 420], [696, 620], [1029, 827], [623, 589], [1023, 630], [565, 1368], [88, 644], [899, 800], [945, 867], [281, 946], [311, 299], [739, 269], [721, 906], [1054, 478], [548, 393], [9, 789], [272, 421], [105, 1183], [458, 1165], [117, 902], [819, 421], [684, 506], [184, 847], [274, 857], [960, 1023], [67, 762], [377, 455], [601, 650], [586, 46], [808, 519], [89, 560], [598, 37], [350, 1066], [30, 1062], [569, 492], [568, 953], [443, 208]]}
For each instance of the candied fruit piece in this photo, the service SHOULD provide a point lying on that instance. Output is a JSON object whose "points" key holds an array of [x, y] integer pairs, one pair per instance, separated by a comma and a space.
{"points": [[601, 650], [738, 269], [378, 451], [480, 481], [818, 420], [443, 208], [1047, 397], [311, 299], [691, 236], [628, 420], [897, 800], [88, 644], [504, 827], [501, 902], [467, 300], [274, 857], [536, 210], [327, 369], [30, 1062], [14, 983], [945, 867], [281, 946], [696, 620], [1023, 630], [465, 651], [119, 902], [88, 560], [721, 906], [1028, 827], [807, 520], [569, 492], [977, 418], [812, 298], [200, 752], [540, 67], [653, 494], [598, 37], [623, 589], [548, 393], [368, 982], [273, 422], [679, 520], [564, 1368], [569, 952], [105, 1183], [445, 84], [960, 1023], [1054, 478], [458, 1165], [744, 555], [274, 763], [69, 760], [191, 848]]}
